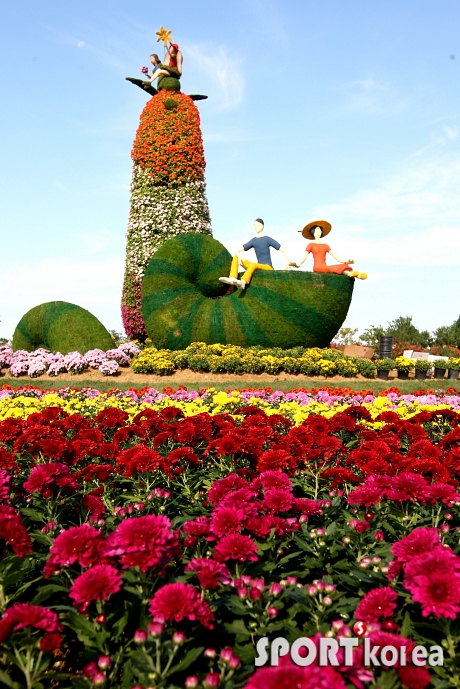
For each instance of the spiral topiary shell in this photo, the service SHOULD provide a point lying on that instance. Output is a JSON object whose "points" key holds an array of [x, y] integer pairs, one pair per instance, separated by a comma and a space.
{"points": [[183, 300], [61, 327]]}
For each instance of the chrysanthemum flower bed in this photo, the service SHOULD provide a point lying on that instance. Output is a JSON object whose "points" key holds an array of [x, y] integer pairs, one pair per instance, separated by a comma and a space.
{"points": [[218, 358], [144, 547]]}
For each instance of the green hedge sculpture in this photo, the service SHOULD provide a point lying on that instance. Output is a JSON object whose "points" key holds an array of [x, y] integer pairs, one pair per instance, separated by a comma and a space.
{"points": [[61, 327], [183, 300]]}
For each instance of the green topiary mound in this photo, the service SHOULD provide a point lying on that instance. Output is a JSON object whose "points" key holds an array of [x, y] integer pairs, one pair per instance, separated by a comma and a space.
{"points": [[181, 304], [61, 327]]}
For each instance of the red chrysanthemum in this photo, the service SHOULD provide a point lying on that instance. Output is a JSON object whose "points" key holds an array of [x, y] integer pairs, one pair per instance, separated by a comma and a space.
{"points": [[50, 643], [209, 572], [274, 460], [13, 531], [200, 526], [143, 542], [97, 583], [175, 602], [7, 459], [235, 547], [377, 603], [139, 458], [83, 544], [94, 505], [414, 677]]}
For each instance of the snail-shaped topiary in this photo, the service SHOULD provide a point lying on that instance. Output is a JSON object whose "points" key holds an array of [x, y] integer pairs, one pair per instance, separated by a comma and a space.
{"points": [[61, 327], [183, 300]]}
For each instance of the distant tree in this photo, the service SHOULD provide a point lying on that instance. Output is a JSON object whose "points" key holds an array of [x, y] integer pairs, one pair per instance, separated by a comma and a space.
{"points": [[372, 335], [448, 334], [346, 336]]}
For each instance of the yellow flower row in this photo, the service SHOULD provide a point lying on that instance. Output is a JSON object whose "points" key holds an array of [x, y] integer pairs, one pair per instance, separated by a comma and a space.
{"points": [[215, 403]]}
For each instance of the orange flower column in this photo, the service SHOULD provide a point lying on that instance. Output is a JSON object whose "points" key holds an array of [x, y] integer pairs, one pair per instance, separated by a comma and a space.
{"points": [[167, 191]]}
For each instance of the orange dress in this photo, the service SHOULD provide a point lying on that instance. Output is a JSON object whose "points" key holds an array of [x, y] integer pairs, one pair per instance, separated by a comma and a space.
{"points": [[319, 252]]}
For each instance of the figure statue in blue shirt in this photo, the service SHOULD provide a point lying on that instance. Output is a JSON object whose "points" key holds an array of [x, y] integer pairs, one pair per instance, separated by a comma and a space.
{"points": [[261, 245]]}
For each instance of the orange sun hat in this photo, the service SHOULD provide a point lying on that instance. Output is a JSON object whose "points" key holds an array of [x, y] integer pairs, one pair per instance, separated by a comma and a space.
{"points": [[324, 225]]}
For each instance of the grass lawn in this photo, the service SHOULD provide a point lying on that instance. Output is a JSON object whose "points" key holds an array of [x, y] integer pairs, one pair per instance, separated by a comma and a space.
{"points": [[238, 384]]}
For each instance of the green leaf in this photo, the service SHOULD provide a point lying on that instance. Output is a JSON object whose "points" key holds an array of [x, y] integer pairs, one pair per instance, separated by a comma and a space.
{"points": [[189, 658], [406, 627], [46, 591], [237, 627], [6, 679], [33, 514]]}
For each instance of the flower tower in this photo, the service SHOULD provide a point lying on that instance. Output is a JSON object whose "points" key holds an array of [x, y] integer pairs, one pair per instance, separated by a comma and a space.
{"points": [[167, 191]]}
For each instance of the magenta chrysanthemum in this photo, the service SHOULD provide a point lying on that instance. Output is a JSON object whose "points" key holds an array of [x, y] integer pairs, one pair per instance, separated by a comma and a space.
{"points": [[235, 547], [209, 572], [26, 615], [83, 544], [376, 604], [180, 601], [97, 583], [13, 531], [143, 542]]}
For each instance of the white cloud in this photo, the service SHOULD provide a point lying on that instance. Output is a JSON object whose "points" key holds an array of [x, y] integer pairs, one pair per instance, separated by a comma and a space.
{"points": [[370, 97], [223, 73], [98, 242], [81, 44], [93, 284]]}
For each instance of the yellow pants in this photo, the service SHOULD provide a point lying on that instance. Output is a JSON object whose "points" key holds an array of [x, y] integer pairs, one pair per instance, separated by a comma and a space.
{"points": [[249, 267]]}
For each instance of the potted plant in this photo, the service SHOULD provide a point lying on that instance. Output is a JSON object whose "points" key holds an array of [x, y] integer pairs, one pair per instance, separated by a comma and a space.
{"points": [[403, 366], [440, 368], [422, 366], [384, 366], [453, 367]]}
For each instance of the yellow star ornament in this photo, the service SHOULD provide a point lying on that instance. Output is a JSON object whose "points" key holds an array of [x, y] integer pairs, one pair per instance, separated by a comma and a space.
{"points": [[164, 35]]}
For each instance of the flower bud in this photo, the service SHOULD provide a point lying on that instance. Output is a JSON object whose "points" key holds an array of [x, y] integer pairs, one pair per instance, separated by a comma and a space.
{"points": [[104, 662], [272, 611], [327, 600], [101, 619], [379, 535], [444, 528], [320, 531], [234, 662], [275, 588], [212, 680], [255, 594], [156, 628], [90, 669], [178, 638], [319, 585], [140, 636], [329, 588], [346, 540], [210, 653], [242, 592], [98, 678], [190, 541], [291, 580], [226, 654], [191, 682], [312, 590]]}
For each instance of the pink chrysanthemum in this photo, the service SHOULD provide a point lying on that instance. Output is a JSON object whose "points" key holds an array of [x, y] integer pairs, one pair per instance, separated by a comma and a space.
{"points": [[441, 491], [235, 547], [418, 541], [4, 484], [200, 526], [407, 486], [437, 593], [83, 544], [44, 475], [27, 615], [289, 676], [209, 572], [226, 520], [377, 603], [272, 479], [414, 677], [278, 500], [180, 601], [370, 493], [143, 542], [97, 583], [13, 531], [225, 485]]}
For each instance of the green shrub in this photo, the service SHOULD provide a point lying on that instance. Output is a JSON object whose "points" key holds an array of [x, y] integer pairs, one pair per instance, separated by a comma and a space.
{"points": [[365, 367], [441, 363], [384, 364], [423, 365]]}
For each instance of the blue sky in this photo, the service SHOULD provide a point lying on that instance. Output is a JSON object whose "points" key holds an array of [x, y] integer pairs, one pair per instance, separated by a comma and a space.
{"points": [[348, 111]]}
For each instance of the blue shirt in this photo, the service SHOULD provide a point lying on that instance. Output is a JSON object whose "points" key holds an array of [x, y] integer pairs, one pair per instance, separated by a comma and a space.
{"points": [[261, 246]]}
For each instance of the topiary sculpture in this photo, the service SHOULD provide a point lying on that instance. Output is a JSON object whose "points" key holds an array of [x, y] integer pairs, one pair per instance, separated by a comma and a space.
{"points": [[167, 190], [183, 301], [61, 327]]}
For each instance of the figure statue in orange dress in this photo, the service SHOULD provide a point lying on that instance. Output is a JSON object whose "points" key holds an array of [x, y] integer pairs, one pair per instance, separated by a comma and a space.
{"points": [[316, 230]]}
